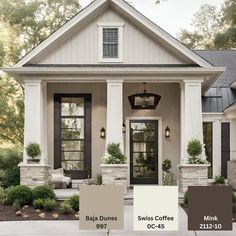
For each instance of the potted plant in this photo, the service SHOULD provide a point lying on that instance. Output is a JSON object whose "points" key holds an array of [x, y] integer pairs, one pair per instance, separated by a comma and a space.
{"points": [[167, 175], [33, 151], [195, 171], [115, 170]]}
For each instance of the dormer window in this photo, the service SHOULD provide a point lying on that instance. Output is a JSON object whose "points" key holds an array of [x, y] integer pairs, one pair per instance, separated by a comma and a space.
{"points": [[111, 42]]}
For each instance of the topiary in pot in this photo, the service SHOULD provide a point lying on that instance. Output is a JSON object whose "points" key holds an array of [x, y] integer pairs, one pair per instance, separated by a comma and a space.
{"points": [[114, 154], [33, 151], [194, 150]]}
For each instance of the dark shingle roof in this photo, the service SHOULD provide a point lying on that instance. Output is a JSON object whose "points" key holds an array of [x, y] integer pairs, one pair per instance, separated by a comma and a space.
{"points": [[220, 95]]}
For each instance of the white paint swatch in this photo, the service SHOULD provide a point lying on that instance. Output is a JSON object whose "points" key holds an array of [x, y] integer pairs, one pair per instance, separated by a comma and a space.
{"points": [[155, 208]]}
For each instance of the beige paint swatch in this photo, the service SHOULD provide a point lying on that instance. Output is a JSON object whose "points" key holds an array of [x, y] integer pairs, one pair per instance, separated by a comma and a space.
{"points": [[101, 207]]}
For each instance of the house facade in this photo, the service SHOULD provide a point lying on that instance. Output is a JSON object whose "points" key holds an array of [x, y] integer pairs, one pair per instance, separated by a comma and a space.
{"points": [[77, 87]]}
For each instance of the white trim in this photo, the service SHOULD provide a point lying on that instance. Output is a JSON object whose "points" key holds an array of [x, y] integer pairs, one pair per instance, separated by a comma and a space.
{"points": [[131, 12], [127, 143], [120, 27]]}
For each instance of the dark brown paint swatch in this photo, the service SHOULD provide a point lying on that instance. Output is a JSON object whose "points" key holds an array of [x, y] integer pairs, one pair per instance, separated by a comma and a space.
{"points": [[210, 208]]}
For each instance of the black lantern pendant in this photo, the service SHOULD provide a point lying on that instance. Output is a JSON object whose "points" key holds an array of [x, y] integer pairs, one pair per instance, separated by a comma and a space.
{"points": [[144, 101]]}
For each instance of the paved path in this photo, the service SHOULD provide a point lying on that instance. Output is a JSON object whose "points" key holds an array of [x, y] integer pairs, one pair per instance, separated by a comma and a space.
{"points": [[71, 228]]}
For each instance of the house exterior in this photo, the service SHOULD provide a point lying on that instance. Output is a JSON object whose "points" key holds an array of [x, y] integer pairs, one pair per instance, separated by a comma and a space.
{"points": [[77, 83]]}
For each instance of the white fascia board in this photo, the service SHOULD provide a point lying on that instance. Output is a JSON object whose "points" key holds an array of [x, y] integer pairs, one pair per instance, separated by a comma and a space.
{"points": [[118, 70], [233, 85], [61, 31], [161, 33]]}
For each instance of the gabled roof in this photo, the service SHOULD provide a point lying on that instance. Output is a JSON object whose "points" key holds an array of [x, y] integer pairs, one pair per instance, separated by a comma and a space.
{"points": [[96, 8]]}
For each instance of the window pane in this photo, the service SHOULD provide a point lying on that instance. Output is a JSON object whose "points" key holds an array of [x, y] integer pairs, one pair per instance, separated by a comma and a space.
{"points": [[144, 159], [72, 106], [207, 138], [72, 165], [75, 156], [110, 35], [72, 145], [72, 128], [143, 147], [143, 126], [110, 51], [143, 136]]}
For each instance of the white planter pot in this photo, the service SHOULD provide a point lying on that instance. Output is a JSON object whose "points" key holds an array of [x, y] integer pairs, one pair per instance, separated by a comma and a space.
{"points": [[116, 174], [192, 175]]}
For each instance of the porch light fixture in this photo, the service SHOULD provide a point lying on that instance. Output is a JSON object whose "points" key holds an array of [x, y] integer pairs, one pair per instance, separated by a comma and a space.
{"points": [[123, 128], [103, 133], [167, 132], [144, 101]]}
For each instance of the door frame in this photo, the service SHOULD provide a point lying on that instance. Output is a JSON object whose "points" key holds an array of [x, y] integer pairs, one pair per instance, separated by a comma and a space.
{"points": [[127, 142]]}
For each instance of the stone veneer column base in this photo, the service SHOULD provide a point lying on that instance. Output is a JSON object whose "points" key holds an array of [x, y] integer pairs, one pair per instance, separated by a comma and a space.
{"points": [[33, 175], [231, 173], [192, 175], [115, 174]]}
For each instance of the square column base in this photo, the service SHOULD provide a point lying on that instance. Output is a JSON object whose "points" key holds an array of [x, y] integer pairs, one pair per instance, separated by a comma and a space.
{"points": [[33, 175], [231, 173], [192, 175]]}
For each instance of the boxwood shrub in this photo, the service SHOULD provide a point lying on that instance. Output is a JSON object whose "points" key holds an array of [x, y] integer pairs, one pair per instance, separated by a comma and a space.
{"points": [[43, 192], [74, 202], [21, 194]]}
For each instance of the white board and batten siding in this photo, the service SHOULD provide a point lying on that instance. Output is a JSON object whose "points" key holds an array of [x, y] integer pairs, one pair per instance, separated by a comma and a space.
{"points": [[83, 46]]}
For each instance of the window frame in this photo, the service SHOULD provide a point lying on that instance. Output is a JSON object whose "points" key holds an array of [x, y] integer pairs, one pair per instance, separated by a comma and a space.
{"points": [[120, 27]]}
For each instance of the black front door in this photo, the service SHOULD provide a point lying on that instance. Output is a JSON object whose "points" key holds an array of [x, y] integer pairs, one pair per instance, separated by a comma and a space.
{"points": [[72, 134], [144, 152]]}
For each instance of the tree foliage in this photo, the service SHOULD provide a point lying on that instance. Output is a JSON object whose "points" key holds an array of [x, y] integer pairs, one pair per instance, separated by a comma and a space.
{"points": [[212, 29], [23, 25]]}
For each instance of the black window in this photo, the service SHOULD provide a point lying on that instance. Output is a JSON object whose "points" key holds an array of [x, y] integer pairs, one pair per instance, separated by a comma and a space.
{"points": [[225, 147], [208, 141], [110, 43]]}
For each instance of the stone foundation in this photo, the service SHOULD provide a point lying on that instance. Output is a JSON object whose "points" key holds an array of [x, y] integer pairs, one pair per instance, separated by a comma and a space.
{"points": [[192, 175], [115, 174], [33, 175], [231, 173]]}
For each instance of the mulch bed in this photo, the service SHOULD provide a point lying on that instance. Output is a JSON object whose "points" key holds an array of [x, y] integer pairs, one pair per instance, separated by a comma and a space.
{"points": [[234, 211], [7, 213]]}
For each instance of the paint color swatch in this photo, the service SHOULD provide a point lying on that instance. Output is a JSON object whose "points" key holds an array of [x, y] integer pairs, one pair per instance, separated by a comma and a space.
{"points": [[210, 208], [155, 208], [101, 207]]}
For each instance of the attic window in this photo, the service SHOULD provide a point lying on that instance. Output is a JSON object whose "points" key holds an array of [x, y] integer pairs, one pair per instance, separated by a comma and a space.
{"points": [[111, 42]]}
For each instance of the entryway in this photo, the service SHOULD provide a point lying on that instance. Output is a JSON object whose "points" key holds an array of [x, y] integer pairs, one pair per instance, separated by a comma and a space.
{"points": [[143, 151]]}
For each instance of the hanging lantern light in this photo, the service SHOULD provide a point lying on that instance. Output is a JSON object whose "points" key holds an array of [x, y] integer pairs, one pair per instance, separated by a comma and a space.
{"points": [[144, 101]]}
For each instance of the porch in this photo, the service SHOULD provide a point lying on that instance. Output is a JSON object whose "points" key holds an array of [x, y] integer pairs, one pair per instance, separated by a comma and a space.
{"points": [[179, 109]]}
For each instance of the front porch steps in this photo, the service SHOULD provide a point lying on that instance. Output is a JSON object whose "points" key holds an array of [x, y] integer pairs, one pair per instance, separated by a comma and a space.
{"points": [[63, 194]]}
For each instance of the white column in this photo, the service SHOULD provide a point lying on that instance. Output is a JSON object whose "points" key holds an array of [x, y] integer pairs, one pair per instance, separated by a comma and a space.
{"points": [[233, 139], [114, 112], [216, 155], [191, 114], [35, 117]]}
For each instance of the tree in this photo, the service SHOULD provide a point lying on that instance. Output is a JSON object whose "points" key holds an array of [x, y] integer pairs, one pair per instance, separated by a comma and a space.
{"points": [[23, 25], [212, 29], [205, 23]]}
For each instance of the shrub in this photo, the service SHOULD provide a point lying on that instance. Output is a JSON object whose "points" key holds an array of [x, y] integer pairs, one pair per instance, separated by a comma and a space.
{"points": [[233, 197], [10, 172], [197, 160], [114, 154], [21, 193], [33, 150], [194, 148], [43, 192], [16, 206], [65, 208], [219, 179], [2, 194], [74, 202], [166, 165], [98, 179], [38, 203], [49, 204], [186, 198]]}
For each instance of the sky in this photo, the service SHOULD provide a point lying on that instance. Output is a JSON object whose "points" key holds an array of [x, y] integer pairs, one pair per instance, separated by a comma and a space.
{"points": [[171, 15]]}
